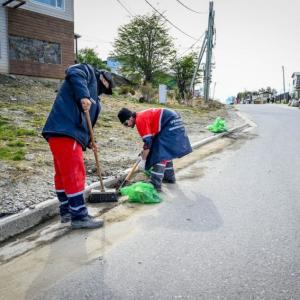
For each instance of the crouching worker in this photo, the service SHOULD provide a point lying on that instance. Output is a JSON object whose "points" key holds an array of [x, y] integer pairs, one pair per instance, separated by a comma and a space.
{"points": [[164, 138], [68, 136]]}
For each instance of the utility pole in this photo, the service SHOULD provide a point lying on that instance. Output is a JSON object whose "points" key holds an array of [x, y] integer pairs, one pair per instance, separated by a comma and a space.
{"points": [[283, 77], [206, 45], [210, 34], [213, 95], [198, 63]]}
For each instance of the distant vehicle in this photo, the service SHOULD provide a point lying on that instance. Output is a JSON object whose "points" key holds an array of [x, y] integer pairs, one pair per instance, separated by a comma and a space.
{"points": [[230, 100]]}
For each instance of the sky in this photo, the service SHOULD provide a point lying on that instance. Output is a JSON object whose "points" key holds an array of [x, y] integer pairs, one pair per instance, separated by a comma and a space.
{"points": [[254, 38]]}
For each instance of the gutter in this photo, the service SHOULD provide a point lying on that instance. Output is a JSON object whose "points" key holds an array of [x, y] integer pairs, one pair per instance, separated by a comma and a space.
{"points": [[18, 223]]}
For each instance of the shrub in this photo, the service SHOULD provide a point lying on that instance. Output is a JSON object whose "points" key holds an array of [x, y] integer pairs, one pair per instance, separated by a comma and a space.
{"points": [[124, 90], [148, 92]]}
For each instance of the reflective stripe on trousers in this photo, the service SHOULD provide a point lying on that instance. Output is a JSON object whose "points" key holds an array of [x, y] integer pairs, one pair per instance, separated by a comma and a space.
{"points": [[69, 176], [162, 171]]}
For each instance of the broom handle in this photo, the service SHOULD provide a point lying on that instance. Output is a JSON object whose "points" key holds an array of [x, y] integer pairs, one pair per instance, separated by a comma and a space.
{"points": [[129, 174], [132, 170], [89, 123]]}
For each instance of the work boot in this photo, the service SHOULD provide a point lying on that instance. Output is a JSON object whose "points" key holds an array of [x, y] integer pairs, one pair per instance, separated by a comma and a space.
{"points": [[158, 188], [65, 218], [169, 181], [86, 222]]}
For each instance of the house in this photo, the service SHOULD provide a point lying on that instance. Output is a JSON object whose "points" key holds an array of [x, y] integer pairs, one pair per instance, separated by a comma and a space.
{"points": [[114, 65], [283, 97], [263, 97], [248, 99], [36, 37], [296, 85]]}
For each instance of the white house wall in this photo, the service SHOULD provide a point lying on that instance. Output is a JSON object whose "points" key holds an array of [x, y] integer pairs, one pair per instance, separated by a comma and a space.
{"points": [[66, 14], [3, 40]]}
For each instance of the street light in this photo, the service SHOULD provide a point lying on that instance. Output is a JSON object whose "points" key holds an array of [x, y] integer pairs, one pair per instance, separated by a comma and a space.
{"points": [[283, 79], [76, 37]]}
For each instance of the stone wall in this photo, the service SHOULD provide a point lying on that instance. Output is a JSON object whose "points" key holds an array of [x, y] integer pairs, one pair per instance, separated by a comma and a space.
{"points": [[40, 45]]}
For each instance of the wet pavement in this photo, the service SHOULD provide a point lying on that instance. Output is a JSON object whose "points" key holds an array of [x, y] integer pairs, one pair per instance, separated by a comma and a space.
{"points": [[229, 229]]}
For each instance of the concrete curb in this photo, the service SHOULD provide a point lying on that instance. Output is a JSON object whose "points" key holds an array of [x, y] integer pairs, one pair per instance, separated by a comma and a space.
{"points": [[18, 223]]}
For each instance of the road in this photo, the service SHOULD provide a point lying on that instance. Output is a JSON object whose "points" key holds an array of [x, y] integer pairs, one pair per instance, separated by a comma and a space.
{"points": [[229, 229]]}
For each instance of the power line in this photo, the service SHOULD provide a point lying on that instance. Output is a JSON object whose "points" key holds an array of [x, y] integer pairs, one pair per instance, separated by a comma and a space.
{"points": [[189, 48], [197, 12], [169, 21], [131, 14], [125, 8], [192, 46]]}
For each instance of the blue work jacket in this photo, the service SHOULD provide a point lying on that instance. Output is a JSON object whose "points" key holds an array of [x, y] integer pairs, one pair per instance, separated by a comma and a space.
{"points": [[171, 141], [66, 117]]}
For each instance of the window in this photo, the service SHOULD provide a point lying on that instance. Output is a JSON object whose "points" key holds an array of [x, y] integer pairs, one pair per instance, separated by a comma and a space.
{"points": [[32, 50], [54, 3]]}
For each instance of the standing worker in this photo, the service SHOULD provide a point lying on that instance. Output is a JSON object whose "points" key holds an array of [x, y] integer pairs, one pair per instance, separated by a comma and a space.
{"points": [[68, 136], [164, 138]]}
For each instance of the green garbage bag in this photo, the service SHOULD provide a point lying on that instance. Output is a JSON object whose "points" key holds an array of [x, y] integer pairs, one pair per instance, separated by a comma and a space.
{"points": [[219, 125], [141, 192]]}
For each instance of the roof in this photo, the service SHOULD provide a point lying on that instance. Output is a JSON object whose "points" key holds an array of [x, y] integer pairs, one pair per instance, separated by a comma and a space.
{"points": [[265, 92], [295, 74]]}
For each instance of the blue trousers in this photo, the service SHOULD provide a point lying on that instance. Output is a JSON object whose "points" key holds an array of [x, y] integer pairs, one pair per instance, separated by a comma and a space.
{"points": [[162, 171]]}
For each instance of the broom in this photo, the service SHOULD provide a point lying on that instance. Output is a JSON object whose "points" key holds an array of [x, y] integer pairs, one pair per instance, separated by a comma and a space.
{"points": [[128, 177], [95, 195]]}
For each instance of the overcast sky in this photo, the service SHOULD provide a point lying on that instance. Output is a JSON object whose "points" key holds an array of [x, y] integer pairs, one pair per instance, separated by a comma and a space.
{"points": [[254, 39]]}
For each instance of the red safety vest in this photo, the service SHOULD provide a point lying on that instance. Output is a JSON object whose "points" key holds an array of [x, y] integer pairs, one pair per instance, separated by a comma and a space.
{"points": [[148, 122]]}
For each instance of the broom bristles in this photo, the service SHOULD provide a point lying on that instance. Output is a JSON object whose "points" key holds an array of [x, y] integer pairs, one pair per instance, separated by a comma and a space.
{"points": [[99, 197]]}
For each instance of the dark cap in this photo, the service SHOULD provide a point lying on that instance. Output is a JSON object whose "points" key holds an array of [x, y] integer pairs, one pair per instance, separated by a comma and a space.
{"points": [[124, 114], [108, 77]]}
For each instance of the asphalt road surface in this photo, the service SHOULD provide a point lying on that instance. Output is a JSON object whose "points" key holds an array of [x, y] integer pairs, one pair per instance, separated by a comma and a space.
{"points": [[229, 229]]}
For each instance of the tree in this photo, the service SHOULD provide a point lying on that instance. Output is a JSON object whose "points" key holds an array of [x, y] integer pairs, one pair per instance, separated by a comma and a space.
{"points": [[269, 89], [243, 95], [184, 69], [144, 47], [89, 56], [164, 78]]}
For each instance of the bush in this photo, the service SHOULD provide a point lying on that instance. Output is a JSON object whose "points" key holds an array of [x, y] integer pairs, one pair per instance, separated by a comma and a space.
{"points": [[142, 99], [148, 92], [124, 90], [171, 94]]}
